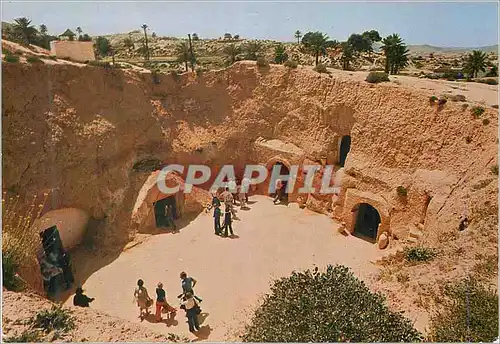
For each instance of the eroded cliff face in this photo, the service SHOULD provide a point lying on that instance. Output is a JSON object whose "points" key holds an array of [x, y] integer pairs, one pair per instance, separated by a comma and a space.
{"points": [[80, 130]]}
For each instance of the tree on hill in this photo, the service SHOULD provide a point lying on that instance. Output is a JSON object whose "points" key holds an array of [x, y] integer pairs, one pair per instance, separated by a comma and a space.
{"points": [[195, 37], [330, 306], [23, 31], [396, 53], [298, 35], [128, 43], [227, 35], [102, 46], [153, 35], [79, 32], [360, 43], [280, 55], [236, 37], [43, 29], [231, 51], [146, 53], [253, 50], [348, 55], [476, 61], [316, 43], [183, 54], [373, 35], [85, 38]]}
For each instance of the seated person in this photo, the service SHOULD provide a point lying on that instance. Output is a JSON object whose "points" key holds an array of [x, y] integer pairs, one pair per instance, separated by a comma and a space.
{"points": [[80, 299]]}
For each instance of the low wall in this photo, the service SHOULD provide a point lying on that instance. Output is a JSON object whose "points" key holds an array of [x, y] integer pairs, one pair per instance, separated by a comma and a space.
{"points": [[75, 50]]}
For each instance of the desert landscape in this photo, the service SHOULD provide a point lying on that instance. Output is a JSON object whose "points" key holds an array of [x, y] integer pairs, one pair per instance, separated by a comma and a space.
{"points": [[405, 249]]}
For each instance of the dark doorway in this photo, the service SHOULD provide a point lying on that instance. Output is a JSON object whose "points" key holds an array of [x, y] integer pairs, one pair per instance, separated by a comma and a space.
{"points": [[55, 263], [345, 147], [160, 214], [367, 221], [284, 171]]}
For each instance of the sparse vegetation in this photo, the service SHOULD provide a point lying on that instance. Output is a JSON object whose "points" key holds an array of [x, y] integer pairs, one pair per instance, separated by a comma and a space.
{"points": [[231, 51], [33, 59], [488, 81], [27, 336], [487, 266], [477, 111], [253, 50], [10, 265], [376, 77], [99, 64], [433, 99], [486, 121], [470, 314], [458, 98], [419, 254], [52, 57], [291, 64], [320, 68], [11, 58], [280, 55], [56, 319], [402, 191], [331, 306]]}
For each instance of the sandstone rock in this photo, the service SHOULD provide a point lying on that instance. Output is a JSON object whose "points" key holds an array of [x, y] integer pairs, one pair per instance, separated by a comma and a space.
{"points": [[383, 241]]}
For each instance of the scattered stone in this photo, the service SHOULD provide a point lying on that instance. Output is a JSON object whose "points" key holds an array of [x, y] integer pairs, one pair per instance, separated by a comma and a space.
{"points": [[383, 241]]}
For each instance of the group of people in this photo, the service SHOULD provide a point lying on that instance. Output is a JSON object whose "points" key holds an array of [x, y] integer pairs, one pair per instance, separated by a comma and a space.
{"points": [[188, 301]]}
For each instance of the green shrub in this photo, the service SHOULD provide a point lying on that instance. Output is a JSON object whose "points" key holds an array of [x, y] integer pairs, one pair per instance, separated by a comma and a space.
{"points": [[494, 169], [57, 319], [262, 62], [291, 64], [432, 100], [376, 77], [34, 59], [458, 98], [10, 265], [27, 336], [11, 58], [470, 313], [98, 64], [488, 81], [18, 53], [52, 57], [486, 121], [477, 111], [419, 254], [320, 68], [331, 306], [402, 191]]}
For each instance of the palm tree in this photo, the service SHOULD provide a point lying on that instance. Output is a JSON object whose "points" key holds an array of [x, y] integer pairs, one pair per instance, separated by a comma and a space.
{"points": [[26, 32], [396, 53], [317, 43], [348, 52], [79, 31], [280, 55], [231, 51], [476, 61], [146, 55], [43, 29], [298, 35], [183, 54]]}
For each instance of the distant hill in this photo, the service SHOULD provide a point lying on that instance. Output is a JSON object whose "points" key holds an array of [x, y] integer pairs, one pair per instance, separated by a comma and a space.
{"points": [[426, 49]]}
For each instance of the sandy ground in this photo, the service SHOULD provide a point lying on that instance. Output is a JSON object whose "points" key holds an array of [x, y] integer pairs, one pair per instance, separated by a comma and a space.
{"points": [[232, 273]]}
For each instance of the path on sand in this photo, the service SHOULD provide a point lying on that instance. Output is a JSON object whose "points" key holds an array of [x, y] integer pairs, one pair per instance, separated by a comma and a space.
{"points": [[232, 273]]}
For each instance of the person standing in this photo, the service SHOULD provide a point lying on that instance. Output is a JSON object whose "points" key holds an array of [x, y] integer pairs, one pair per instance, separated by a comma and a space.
{"points": [[232, 188], [80, 299], [161, 302], [217, 214], [187, 284], [242, 197], [169, 216], [142, 297], [279, 192], [228, 200], [245, 183], [192, 310], [227, 222]]}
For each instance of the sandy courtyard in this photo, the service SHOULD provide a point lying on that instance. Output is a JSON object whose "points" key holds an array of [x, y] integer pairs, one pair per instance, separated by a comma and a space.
{"points": [[232, 273]]}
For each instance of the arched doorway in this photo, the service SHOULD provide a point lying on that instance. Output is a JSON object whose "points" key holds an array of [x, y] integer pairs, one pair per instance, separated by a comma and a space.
{"points": [[160, 211], [366, 222], [345, 147]]}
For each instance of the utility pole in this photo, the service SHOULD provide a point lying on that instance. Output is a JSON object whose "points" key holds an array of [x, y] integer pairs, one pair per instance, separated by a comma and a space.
{"points": [[191, 53]]}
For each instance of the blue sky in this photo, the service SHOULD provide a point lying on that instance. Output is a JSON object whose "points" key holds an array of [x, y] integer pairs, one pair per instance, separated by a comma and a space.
{"points": [[442, 24]]}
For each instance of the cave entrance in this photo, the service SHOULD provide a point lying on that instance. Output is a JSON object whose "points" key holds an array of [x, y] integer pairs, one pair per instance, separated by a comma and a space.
{"points": [[284, 171], [367, 220], [55, 263], [345, 147], [160, 207]]}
